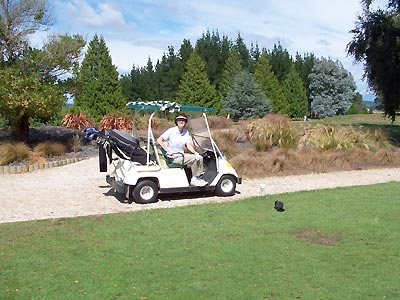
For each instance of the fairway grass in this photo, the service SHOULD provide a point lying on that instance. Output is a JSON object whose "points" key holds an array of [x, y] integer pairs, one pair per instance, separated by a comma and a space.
{"points": [[342, 243]]}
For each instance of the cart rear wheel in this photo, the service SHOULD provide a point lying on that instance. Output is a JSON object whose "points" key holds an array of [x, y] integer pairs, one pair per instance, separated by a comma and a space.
{"points": [[226, 186], [145, 191]]}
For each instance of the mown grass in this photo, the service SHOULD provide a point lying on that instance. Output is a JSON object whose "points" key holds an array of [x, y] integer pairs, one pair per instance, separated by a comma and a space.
{"points": [[329, 244]]}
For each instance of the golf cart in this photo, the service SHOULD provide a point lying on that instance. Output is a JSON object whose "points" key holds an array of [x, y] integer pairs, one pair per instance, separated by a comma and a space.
{"points": [[141, 170]]}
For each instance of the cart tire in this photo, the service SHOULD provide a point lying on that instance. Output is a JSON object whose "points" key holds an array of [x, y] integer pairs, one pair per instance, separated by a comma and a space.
{"points": [[145, 191], [226, 186]]}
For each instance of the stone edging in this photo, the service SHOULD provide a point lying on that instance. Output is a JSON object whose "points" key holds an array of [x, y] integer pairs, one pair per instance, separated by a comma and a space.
{"points": [[24, 168]]}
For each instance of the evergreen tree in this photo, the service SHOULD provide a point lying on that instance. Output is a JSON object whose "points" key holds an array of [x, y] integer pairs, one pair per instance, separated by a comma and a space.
{"points": [[303, 65], [231, 69], [265, 77], [100, 90], [195, 87], [280, 61], [150, 89], [245, 99], [243, 52], [255, 53], [169, 73], [213, 52], [331, 88], [185, 51], [295, 94]]}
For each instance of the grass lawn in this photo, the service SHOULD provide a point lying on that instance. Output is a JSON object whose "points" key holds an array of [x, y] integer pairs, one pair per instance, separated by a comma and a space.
{"points": [[330, 244]]}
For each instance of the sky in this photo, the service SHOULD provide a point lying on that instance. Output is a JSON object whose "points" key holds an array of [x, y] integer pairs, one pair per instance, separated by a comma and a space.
{"points": [[135, 30]]}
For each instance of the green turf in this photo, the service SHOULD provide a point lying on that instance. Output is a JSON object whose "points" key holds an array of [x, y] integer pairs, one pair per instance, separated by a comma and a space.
{"points": [[330, 244]]}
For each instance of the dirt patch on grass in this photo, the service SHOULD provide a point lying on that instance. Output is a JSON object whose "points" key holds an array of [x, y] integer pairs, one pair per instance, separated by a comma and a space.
{"points": [[315, 237]]}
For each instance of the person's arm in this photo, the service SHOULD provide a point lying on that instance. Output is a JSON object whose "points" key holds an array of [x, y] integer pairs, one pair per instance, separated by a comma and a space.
{"points": [[190, 147], [162, 143]]}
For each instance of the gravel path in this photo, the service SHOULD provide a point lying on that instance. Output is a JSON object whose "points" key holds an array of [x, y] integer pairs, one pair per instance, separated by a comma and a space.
{"points": [[79, 189]]}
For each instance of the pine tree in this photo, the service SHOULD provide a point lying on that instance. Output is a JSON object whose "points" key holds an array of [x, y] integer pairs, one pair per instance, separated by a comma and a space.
{"points": [[245, 99], [243, 52], [271, 86], [231, 69], [331, 88], [295, 94], [100, 90], [280, 61], [195, 87]]}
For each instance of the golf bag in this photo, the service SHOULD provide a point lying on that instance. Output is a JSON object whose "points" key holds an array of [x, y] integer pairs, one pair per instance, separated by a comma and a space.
{"points": [[121, 143]]}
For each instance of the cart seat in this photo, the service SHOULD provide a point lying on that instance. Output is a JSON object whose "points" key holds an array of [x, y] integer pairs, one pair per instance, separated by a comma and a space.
{"points": [[169, 160]]}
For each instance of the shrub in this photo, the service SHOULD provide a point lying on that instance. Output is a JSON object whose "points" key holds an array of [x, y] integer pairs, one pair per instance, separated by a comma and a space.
{"points": [[12, 152], [49, 149], [116, 122], [76, 121], [271, 131]]}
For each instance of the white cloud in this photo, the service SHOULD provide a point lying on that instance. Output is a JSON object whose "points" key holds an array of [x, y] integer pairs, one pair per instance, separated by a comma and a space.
{"points": [[126, 55]]}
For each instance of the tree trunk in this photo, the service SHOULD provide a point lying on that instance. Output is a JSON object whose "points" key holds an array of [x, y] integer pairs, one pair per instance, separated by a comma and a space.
{"points": [[20, 129]]}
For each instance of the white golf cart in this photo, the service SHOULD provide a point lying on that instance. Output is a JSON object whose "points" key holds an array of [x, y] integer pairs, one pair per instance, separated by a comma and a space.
{"points": [[141, 170]]}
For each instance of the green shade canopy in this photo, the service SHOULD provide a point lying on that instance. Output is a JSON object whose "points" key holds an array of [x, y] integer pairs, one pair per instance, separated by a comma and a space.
{"points": [[162, 105]]}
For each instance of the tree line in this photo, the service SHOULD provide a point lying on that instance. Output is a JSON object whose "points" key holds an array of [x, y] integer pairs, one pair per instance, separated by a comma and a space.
{"points": [[208, 72], [214, 72]]}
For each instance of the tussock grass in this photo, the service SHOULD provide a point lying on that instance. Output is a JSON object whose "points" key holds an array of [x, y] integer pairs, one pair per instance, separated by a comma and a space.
{"points": [[271, 131], [326, 137], [279, 162], [12, 152], [49, 149]]}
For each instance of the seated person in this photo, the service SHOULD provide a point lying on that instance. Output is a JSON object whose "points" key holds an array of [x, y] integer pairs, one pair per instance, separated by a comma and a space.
{"points": [[174, 140]]}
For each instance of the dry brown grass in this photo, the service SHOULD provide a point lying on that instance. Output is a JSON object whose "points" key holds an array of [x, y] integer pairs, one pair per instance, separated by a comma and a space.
{"points": [[282, 162], [14, 152], [49, 149]]}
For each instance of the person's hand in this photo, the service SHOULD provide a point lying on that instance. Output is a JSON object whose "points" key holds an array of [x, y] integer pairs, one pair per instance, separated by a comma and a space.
{"points": [[197, 156]]}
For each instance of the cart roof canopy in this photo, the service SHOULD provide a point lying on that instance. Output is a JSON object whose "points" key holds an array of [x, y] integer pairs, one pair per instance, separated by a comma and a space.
{"points": [[169, 106]]}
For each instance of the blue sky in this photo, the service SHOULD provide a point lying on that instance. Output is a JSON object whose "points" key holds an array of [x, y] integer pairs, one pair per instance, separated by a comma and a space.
{"points": [[138, 29]]}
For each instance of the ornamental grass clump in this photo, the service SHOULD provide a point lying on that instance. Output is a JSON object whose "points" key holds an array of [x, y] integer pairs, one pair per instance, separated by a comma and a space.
{"points": [[13, 152], [49, 149], [326, 137], [271, 131]]}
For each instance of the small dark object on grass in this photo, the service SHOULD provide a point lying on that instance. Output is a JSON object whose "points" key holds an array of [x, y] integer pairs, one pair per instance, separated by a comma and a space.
{"points": [[279, 206]]}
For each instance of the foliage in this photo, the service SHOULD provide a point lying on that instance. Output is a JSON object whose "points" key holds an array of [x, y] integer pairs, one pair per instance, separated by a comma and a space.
{"points": [[76, 120], [214, 52], [231, 69], [331, 88], [265, 77], [245, 99], [49, 149], [116, 122], [280, 61], [271, 131], [304, 65], [322, 234], [376, 43], [25, 95], [18, 19], [12, 152], [195, 87], [99, 89], [295, 94]]}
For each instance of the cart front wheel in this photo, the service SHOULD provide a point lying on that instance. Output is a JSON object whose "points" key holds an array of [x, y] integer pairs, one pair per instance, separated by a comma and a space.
{"points": [[145, 191], [226, 186]]}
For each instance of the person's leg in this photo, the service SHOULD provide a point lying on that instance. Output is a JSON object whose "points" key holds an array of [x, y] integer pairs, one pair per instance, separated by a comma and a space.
{"points": [[195, 165]]}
